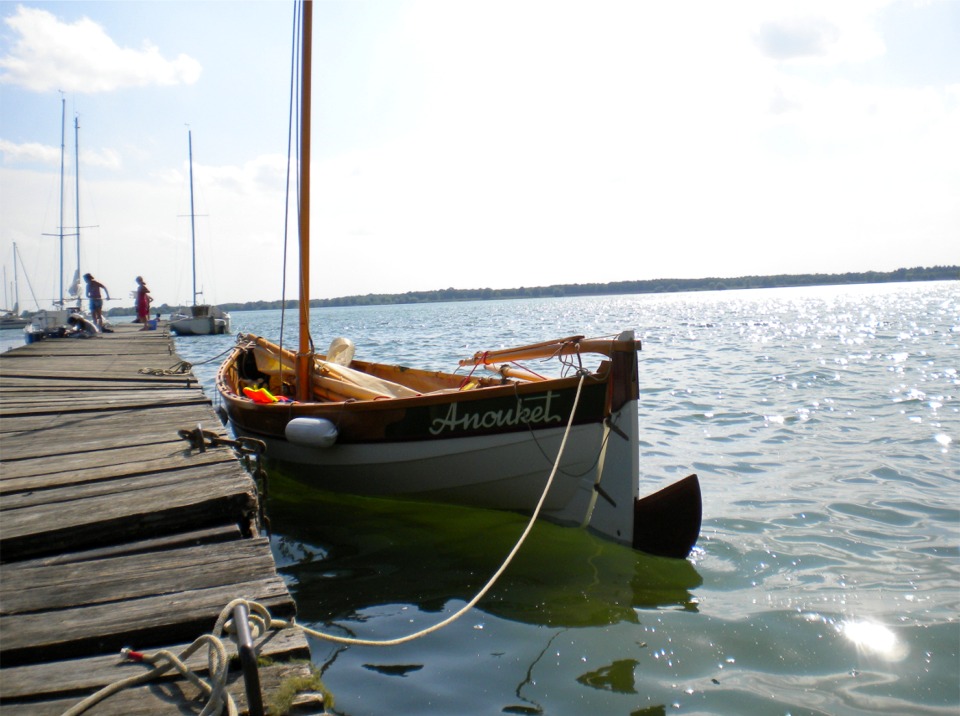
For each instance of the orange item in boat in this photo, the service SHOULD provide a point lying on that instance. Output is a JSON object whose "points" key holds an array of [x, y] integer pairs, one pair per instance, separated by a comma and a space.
{"points": [[259, 395]]}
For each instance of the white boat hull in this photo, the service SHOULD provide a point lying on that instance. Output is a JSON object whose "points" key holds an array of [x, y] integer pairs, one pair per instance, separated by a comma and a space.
{"points": [[203, 320], [205, 326], [506, 471], [52, 323]]}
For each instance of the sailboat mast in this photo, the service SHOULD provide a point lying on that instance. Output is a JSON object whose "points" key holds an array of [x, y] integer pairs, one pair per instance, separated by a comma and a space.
{"points": [[76, 145], [193, 235], [16, 282], [63, 149], [303, 354]]}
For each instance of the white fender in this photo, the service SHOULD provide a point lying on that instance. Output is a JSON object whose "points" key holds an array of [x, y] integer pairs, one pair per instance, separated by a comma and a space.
{"points": [[311, 432]]}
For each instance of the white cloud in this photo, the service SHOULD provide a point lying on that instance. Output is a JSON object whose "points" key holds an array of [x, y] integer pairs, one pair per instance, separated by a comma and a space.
{"points": [[29, 152], [820, 31], [36, 153], [104, 158], [82, 58]]}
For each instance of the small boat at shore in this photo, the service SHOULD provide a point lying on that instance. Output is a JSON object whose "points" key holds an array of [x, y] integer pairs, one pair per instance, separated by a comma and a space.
{"points": [[566, 444]]}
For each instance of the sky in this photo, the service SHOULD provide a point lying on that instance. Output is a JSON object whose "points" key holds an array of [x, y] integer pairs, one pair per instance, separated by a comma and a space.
{"points": [[468, 145]]}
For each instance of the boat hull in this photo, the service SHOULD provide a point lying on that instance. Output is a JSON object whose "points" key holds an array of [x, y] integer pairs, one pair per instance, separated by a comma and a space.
{"points": [[206, 326], [52, 323], [203, 320], [505, 471], [9, 322], [493, 445]]}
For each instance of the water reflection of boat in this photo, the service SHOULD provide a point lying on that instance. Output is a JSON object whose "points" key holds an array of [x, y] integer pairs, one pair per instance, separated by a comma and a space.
{"points": [[344, 554]]}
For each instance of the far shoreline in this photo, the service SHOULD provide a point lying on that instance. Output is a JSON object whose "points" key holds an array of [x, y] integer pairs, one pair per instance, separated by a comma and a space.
{"points": [[616, 288]]}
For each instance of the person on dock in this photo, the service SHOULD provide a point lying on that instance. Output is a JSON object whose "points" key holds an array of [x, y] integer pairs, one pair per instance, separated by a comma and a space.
{"points": [[96, 299], [144, 299], [80, 327]]}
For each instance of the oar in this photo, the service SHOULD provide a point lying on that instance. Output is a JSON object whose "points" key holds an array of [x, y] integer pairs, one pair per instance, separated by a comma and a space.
{"points": [[667, 523]]}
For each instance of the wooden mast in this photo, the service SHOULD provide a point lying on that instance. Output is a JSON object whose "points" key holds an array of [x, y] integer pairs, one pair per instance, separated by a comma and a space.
{"points": [[304, 352]]}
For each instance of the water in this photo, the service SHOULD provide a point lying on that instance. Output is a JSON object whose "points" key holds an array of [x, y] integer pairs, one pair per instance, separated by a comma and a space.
{"points": [[823, 423]]}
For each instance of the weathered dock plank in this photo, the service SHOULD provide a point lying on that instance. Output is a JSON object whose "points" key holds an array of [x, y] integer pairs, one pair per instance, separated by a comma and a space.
{"points": [[42, 436], [116, 532], [76, 676], [109, 627], [42, 587], [216, 495], [167, 696], [34, 473]]}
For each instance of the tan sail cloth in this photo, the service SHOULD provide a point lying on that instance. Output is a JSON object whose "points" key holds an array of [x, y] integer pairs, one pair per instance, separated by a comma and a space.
{"points": [[337, 378]]}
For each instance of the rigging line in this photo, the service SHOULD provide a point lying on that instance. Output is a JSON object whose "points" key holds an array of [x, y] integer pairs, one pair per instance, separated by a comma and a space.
{"points": [[216, 357], [491, 582]]}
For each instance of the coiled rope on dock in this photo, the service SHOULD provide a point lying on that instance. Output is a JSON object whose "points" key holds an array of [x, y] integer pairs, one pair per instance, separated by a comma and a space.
{"points": [[261, 621], [179, 368], [163, 661], [182, 367]]}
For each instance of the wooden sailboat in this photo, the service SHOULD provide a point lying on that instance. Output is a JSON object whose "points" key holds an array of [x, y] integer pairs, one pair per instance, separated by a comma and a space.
{"points": [[492, 441], [200, 319]]}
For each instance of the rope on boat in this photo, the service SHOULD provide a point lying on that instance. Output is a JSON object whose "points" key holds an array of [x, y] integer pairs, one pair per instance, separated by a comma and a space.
{"points": [[492, 581], [261, 621]]}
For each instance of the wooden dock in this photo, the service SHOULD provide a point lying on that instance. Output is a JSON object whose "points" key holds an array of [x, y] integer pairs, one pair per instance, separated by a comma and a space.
{"points": [[115, 532]]}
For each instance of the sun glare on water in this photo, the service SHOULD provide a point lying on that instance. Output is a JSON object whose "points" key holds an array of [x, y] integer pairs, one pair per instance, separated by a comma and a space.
{"points": [[874, 639]]}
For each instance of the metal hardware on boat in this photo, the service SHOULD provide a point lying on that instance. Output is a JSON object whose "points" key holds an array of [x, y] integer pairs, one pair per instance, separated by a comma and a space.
{"points": [[248, 659], [613, 427], [604, 494]]}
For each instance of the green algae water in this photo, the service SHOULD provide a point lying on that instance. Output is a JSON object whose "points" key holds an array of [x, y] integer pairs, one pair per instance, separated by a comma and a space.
{"points": [[823, 423]]}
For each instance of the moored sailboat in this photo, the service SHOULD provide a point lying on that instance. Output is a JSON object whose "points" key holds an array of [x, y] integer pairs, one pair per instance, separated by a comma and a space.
{"points": [[11, 318], [519, 440], [55, 322], [199, 319]]}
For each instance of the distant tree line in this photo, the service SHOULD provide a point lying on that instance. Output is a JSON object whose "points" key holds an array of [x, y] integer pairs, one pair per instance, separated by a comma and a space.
{"points": [[662, 285]]}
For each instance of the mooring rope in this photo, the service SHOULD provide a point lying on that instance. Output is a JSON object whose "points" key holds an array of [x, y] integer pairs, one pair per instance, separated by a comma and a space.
{"points": [[496, 575], [261, 621]]}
